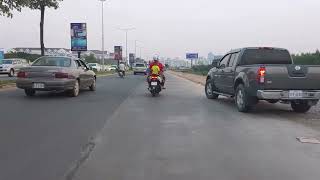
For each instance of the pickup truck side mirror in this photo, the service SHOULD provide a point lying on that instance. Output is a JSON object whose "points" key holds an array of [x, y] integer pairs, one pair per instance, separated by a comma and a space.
{"points": [[215, 63], [222, 66]]}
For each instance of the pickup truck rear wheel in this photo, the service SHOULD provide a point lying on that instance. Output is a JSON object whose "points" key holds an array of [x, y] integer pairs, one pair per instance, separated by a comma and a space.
{"points": [[272, 101], [243, 101], [300, 106], [30, 92], [209, 88]]}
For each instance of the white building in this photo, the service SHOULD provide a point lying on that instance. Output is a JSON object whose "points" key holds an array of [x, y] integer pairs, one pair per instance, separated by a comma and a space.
{"points": [[48, 51]]}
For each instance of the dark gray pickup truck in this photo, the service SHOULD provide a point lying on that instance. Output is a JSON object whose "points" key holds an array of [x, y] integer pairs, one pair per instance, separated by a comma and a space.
{"points": [[253, 74]]}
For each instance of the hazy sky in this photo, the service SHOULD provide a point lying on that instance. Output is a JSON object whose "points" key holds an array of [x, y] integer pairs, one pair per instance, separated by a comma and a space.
{"points": [[174, 27]]}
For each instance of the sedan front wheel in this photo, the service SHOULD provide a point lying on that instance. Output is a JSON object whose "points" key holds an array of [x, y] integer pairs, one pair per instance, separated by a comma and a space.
{"points": [[93, 85]]}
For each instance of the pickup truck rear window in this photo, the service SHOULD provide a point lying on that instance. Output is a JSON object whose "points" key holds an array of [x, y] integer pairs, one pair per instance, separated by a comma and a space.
{"points": [[53, 61], [266, 56]]}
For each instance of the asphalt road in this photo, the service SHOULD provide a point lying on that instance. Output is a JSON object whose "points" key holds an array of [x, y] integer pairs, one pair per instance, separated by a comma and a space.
{"points": [[42, 137], [181, 135], [6, 77], [178, 135]]}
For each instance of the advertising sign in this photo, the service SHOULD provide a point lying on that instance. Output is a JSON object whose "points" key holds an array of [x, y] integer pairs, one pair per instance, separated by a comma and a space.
{"points": [[1, 55], [131, 58], [78, 37], [118, 53], [192, 55]]}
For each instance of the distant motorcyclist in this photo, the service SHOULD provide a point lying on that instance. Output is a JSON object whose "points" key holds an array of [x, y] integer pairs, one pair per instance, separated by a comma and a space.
{"points": [[122, 68], [157, 68]]}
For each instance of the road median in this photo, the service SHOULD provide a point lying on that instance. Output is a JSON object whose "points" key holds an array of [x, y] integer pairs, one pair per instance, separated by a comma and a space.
{"points": [[191, 77], [5, 84]]}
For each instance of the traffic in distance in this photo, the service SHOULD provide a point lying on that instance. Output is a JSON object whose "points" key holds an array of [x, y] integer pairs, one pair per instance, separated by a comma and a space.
{"points": [[247, 74], [159, 90]]}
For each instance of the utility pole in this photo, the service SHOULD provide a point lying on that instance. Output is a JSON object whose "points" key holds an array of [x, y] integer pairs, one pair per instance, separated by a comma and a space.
{"points": [[126, 30]]}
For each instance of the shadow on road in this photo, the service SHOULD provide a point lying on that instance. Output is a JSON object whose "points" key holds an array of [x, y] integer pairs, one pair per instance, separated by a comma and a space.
{"points": [[279, 111]]}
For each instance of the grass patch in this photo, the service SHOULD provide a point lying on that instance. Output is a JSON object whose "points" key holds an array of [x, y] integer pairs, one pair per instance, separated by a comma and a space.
{"points": [[6, 82]]}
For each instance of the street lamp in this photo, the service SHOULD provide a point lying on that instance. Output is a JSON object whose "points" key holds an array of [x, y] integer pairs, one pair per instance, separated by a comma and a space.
{"points": [[126, 30], [102, 38]]}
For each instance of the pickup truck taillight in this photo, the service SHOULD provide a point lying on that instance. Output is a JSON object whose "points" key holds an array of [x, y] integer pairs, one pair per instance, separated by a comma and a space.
{"points": [[60, 75], [261, 74], [22, 74]]}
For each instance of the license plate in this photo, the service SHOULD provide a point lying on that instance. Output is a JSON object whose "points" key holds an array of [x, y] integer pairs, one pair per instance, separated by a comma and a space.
{"points": [[38, 85], [295, 94], [154, 83]]}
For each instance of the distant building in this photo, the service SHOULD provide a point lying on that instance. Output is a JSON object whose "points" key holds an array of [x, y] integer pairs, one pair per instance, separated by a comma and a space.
{"points": [[48, 51], [67, 52], [210, 57]]}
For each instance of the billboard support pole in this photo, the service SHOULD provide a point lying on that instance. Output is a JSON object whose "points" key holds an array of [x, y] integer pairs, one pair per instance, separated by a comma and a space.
{"points": [[79, 54]]}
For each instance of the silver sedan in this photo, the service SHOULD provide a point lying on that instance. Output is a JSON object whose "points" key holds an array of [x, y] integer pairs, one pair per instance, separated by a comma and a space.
{"points": [[56, 74]]}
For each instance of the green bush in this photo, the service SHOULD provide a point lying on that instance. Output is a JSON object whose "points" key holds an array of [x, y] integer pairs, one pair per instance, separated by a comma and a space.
{"points": [[307, 58], [201, 69], [29, 57]]}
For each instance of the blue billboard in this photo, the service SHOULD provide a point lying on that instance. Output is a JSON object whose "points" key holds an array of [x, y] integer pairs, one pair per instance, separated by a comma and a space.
{"points": [[79, 37], [1, 55], [192, 56]]}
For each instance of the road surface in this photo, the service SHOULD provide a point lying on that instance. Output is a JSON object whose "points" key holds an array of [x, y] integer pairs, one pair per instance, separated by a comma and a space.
{"points": [[41, 137], [6, 77], [178, 135]]}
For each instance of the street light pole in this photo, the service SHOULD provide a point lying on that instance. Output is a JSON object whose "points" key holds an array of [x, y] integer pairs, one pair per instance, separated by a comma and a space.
{"points": [[102, 38], [126, 30], [135, 48]]}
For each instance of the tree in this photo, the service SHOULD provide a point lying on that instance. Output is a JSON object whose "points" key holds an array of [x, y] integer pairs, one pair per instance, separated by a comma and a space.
{"points": [[6, 6], [90, 59], [41, 5], [29, 57]]}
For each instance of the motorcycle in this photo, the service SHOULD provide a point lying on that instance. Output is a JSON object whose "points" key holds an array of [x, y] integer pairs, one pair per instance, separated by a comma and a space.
{"points": [[121, 74], [155, 85]]}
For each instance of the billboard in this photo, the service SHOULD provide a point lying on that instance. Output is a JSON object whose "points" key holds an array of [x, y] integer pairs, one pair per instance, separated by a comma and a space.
{"points": [[79, 37], [118, 53], [192, 56], [131, 58], [1, 55]]}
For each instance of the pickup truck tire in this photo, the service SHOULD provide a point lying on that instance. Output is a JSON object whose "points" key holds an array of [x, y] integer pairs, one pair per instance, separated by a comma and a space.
{"points": [[300, 106], [272, 101], [243, 101], [30, 92], [209, 88]]}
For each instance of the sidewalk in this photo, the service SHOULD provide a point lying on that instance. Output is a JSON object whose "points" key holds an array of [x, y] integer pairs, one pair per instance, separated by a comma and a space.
{"points": [[192, 77]]}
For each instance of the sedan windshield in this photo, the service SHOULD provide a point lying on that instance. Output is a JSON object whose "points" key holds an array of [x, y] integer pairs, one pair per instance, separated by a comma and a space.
{"points": [[53, 61], [7, 62]]}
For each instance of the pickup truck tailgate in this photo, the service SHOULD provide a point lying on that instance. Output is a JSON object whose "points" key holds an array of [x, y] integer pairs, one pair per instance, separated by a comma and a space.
{"points": [[292, 77]]}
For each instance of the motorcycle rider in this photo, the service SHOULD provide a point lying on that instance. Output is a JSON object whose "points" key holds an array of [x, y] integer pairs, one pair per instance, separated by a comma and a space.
{"points": [[122, 68], [157, 68]]}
